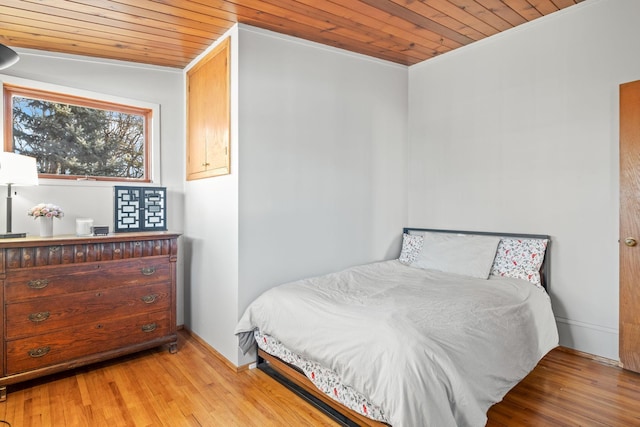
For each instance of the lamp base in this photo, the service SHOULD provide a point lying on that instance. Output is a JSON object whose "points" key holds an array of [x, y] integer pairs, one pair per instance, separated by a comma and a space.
{"points": [[12, 235]]}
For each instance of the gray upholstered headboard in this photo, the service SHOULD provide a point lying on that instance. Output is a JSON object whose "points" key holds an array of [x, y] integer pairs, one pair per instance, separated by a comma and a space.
{"points": [[545, 269]]}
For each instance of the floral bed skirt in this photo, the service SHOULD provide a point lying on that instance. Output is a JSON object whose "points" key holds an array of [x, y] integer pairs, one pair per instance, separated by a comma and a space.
{"points": [[324, 379]]}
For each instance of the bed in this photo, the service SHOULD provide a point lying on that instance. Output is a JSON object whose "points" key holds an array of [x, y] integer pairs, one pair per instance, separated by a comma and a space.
{"points": [[433, 338]]}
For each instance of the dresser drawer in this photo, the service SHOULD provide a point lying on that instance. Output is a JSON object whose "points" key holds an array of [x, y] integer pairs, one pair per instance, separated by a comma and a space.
{"points": [[39, 282], [44, 315], [83, 340]]}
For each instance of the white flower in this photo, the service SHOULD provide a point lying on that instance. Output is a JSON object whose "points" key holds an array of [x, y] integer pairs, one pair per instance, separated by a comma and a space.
{"points": [[46, 209]]}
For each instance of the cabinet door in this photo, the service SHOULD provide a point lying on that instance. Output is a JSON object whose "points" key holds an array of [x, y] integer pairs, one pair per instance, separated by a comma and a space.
{"points": [[208, 115]]}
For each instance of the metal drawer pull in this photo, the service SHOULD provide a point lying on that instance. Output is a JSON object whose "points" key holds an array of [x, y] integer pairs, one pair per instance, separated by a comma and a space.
{"points": [[150, 327], [39, 317], [148, 299], [38, 283], [39, 352], [148, 271]]}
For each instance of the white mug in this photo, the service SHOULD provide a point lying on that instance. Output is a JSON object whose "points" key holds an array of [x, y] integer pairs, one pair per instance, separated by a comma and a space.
{"points": [[83, 226]]}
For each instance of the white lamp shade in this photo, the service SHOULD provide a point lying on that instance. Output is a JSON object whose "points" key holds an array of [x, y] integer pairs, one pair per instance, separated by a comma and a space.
{"points": [[16, 169]]}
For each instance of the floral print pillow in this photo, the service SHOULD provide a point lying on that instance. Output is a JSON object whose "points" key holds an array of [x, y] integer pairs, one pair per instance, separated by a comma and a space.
{"points": [[520, 258], [411, 246]]}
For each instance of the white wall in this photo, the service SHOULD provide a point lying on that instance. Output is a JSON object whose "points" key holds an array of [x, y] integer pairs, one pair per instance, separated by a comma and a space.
{"points": [[323, 155], [157, 85], [520, 133], [318, 177], [211, 241]]}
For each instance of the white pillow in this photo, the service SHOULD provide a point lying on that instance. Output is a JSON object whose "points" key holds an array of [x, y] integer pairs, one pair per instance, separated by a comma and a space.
{"points": [[467, 255]]}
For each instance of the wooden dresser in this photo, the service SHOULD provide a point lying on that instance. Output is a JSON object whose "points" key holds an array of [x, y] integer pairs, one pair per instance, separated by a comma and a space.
{"points": [[69, 301]]}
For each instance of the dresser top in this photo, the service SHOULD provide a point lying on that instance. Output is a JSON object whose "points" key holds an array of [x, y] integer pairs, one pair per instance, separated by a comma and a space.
{"points": [[72, 239]]}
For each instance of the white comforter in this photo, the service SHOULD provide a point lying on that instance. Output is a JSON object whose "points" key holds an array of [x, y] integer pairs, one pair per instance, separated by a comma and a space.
{"points": [[429, 348]]}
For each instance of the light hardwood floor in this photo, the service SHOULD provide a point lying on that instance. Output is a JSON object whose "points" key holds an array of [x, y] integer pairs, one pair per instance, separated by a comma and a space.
{"points": [[194, 388]]}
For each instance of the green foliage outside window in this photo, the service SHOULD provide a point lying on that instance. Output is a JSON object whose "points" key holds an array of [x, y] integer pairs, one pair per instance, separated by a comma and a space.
{"points": [[79, 141]]}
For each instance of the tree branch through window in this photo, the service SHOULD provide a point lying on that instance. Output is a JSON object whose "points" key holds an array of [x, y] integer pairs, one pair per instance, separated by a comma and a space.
{"points": [[73, 137]]}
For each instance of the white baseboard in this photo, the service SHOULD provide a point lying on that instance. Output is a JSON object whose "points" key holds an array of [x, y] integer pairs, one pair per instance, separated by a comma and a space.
{"points": [[589, 338]]}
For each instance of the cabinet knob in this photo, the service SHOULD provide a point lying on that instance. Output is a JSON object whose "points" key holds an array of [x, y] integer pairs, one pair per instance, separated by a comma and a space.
{"points": [[148, 271], [630, 241], [38, 283], [39, 352], [39, 317], [148, 299], [150, 327]]}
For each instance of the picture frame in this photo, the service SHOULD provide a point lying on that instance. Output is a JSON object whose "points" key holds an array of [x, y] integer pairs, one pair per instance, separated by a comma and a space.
{"points": [[140, 209]]}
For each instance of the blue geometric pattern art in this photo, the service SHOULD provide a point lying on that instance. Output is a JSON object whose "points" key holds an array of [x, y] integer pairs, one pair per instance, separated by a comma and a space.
{"points": [[140, 208]]}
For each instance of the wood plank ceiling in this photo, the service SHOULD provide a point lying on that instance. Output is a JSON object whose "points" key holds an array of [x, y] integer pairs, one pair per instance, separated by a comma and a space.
{"points": [[173, 32]]}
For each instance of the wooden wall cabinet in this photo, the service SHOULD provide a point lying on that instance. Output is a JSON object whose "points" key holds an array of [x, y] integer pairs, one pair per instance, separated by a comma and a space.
{"points": [[69, 301], [208, 115]]}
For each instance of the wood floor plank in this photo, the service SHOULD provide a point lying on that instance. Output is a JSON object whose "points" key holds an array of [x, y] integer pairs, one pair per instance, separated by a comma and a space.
{"points": [[193, 388]]}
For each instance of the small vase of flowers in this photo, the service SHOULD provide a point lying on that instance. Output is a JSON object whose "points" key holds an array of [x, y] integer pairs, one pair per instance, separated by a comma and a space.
{"points": [[45, 212]]}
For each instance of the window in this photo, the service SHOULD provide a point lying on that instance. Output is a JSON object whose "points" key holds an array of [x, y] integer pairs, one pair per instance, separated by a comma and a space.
{"points": [[74, 137]]}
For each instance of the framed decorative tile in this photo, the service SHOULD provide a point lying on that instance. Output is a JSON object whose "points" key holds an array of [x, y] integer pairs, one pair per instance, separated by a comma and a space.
{"points": [[140, 208]]}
